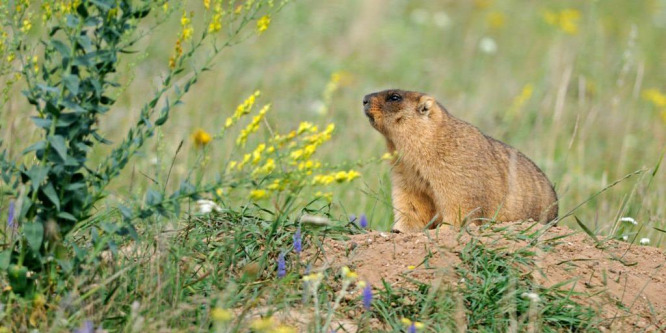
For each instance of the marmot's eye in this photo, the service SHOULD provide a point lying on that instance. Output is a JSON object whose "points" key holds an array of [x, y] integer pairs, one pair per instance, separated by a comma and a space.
{"points": [[394, 98]]}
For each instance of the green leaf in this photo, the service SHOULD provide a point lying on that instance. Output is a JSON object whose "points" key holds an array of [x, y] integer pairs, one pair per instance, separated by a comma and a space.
{"points": [[588, 231], [67, 216], [34, 234], [37, 174], [41, 122], [39, 145], [60, 47], [58, 143], [5, 257], [50, 193], [153, 197], [72, 83]]}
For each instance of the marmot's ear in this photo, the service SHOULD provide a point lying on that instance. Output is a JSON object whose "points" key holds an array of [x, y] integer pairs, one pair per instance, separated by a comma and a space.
{"points": [[425, 105]]}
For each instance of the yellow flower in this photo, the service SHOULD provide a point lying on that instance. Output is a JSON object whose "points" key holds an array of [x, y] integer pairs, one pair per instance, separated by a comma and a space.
{"points": [[496, 20], [411, 267], [348, 273], [265, 169], [303, 127], [328, 196], [482, 4], [262, 324], [253, 126], [206, 4], [313, 277], [262, 23], [258, 194], [566, 20], [655, 96], [521, 99], [201, 138], [283, 329], [184, 20], [187, 33], [408, 322], [388, 156], [220, 315], [216, 22], [26, 26]]}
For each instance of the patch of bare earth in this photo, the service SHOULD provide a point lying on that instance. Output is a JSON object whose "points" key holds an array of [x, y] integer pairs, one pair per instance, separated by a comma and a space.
{"points": [[625, 283]]}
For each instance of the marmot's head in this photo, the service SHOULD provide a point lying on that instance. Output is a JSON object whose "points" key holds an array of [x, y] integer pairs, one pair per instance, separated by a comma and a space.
{"points": [[394, 112]]}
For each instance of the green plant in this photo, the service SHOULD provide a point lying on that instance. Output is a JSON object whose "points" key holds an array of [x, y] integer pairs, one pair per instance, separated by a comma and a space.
{"points": [[71, 89]]}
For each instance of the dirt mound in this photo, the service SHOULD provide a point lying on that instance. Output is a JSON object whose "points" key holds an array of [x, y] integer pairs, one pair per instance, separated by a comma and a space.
{"points": [[626, 283]]}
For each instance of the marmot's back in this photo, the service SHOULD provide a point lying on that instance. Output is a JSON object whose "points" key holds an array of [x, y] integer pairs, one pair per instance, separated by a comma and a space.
{"points": [[528, 192], [448, 171]]}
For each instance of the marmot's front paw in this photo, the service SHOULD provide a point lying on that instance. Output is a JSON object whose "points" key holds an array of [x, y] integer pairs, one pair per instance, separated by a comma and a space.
{"points": [[402, 228]]}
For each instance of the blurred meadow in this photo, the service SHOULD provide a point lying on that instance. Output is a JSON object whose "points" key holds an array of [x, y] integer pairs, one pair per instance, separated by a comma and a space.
{"points": [[578, 86]]}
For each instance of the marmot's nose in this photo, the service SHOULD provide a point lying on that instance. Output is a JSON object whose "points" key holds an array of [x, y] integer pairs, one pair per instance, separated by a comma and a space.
{"points": [[366, 102]]}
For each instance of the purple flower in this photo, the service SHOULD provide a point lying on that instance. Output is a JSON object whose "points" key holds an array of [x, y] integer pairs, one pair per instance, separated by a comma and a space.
{"points": [[363, 222], [10, 214], [367, 296], [412, 328], [282, 266], [297, 241], [352, 218], [86, 327]]}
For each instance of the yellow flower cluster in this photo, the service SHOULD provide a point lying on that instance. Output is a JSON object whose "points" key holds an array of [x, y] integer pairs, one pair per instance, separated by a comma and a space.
{"points": [[27, 25], [339, 176], [389, 156], [313, 277], [264, 169], [520, 100], [496, 20], [312, 142], [263, 23], [186, 23], [348, 274], [220, 315], [658, 99], [268, 325], [258, 194], [566, 19], [215, 24], [253, 126], [201, 138], [242, 109], [308, 166], [407, 322], [35, 64], [655, 96], [328, 196]]}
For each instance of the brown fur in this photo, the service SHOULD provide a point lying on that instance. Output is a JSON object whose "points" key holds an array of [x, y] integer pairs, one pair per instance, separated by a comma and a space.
{"points": [[446, 170]]}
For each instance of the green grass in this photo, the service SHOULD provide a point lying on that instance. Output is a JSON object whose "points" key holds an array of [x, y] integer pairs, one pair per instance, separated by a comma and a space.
{"points": [[585, 124]]}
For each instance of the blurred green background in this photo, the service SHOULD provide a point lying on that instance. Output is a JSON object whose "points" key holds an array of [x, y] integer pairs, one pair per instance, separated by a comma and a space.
{"points": [[577, 86]]}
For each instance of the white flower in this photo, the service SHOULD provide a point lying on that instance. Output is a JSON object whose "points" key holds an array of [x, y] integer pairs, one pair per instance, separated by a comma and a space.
{"points": [[625, 237], [207, 206], [487, 45], [644, 241], [442, 20], [629, 220], [534, 297]]}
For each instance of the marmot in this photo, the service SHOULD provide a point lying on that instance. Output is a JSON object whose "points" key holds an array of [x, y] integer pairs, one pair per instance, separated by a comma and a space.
{"points": [[446, 171]]}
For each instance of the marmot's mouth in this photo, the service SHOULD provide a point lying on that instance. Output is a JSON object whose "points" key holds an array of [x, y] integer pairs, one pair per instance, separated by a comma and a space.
{"points": [[370, 116]]}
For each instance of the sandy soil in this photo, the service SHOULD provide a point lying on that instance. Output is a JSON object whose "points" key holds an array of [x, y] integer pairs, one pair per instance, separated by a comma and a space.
{"points": [[627, 283]]}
